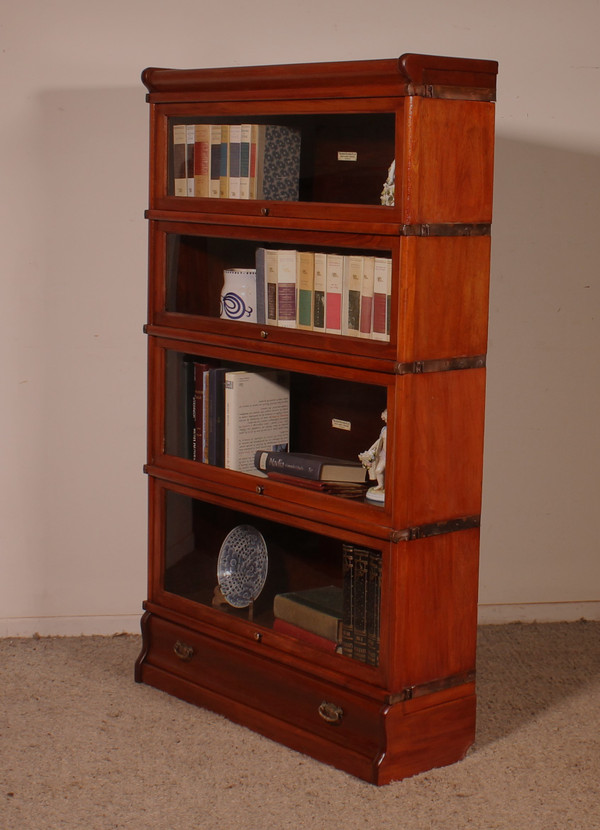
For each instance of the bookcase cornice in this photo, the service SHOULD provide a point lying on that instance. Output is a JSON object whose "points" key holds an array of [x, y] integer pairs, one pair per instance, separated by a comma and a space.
{"points": [[411, 74]]}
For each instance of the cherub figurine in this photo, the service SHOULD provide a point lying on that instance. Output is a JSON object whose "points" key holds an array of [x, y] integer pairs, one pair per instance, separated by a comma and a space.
{"points": [[373, 460]]}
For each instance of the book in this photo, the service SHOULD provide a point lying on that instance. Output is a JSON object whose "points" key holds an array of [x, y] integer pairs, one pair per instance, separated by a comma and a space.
{"points": [[179, 160], [361, 585], [366, 297], [381, 298], [245, 142], [198, 411], [224, 163], [320, 292], [352, 285], [235, 150], [260, 263], [216, 416], [271, 268], [318, 610], [286, 288], [333, 302], [278, 162], [309, 466], [373, 607], [344, 489], [305, 266], [215, 161], [190, 144], [202, 160], [298, 633], [257, 414], [253, 161]]}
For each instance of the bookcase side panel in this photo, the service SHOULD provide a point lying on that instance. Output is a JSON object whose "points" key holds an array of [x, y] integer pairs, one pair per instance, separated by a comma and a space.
{"points": [[434, 628], [448, 161], [438, 447], [447, 279]]}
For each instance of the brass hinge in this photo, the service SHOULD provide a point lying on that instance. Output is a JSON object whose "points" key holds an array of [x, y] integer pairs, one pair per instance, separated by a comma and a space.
{"points": [[447, 229], [411, 692], [411, 534], [448, 364]]}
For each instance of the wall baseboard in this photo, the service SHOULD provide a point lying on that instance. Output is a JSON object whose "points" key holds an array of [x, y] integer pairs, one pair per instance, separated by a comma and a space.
{"points": [[85, 626], [82, 626], [538, 612]]}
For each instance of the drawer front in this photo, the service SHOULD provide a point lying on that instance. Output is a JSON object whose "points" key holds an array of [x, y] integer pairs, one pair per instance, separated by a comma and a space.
{"points": [[323, 709]]}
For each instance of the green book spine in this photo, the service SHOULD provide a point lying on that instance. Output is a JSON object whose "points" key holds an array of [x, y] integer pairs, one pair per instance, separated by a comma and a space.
{"points": [[373, 606], [347, 603]]}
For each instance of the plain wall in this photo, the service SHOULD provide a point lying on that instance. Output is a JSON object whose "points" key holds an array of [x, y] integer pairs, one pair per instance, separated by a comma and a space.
{"points": [[73, 239]]}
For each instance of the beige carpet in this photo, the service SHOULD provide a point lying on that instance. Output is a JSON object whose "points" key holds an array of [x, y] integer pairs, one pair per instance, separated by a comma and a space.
{"points": [[84, 747]]}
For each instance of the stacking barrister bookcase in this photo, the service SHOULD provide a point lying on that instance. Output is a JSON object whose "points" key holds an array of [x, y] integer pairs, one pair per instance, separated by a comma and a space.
{"points": [[330, 172]]}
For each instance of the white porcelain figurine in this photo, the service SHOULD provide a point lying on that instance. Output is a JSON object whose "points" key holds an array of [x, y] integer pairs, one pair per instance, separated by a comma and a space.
{"points": [[373, 460]]}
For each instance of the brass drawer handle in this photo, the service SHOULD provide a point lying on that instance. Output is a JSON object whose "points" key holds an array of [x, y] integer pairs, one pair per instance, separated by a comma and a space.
{"points": [[330, 712], [183, 651]]}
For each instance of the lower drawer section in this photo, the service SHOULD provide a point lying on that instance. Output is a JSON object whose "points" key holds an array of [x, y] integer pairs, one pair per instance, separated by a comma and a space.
{"points": [[263, 685], [330, 722]]}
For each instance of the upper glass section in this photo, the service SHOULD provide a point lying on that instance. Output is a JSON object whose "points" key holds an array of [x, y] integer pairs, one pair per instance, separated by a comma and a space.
{"points": [[317, 157]]}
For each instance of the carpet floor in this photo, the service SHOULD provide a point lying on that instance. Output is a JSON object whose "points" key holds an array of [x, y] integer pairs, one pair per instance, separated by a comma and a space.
{"points": [[83, 747]]}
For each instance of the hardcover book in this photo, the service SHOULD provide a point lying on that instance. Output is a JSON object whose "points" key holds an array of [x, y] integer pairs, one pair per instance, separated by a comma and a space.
{"points": [[320, 293], [333, 303], [309, 466], [366, 297], [361, 603], [318, 610], [306, 287], [202, 160], [224, 156], [261, 285], [381, 298], [278, 162], [245, 142], [215, 161], [190, 145], [179, 160], [353, 268], [315, 640], [216, 416], [286, 289], [235, 153], [271, 292], [257, 414]]}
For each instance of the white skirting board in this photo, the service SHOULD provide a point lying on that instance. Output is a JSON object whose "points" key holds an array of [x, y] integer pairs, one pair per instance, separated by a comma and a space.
{"points": [[538, 612], [79, 626], [82, 626]]}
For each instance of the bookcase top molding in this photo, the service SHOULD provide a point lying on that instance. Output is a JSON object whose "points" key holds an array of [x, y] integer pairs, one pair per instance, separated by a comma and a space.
{"points": [[430, 76]]}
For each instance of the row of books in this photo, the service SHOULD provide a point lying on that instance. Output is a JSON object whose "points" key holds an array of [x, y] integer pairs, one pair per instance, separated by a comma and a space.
{"points": [[233, 412], [333, 293], [345, 620], [236, 161]]}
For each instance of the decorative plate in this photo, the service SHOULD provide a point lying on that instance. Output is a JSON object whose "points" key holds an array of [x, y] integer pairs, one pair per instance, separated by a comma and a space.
{"points": [[242, 565]]}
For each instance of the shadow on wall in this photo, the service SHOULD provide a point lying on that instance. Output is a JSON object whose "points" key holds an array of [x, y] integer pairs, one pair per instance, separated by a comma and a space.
{"points": [[542, 476]]}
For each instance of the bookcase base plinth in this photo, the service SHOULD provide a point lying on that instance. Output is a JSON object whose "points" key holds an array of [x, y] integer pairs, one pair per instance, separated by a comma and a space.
{"points": [[360, 735]]}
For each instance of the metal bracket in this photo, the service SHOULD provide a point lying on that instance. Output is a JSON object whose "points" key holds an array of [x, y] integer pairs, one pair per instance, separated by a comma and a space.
{"points": [[411, 692], [447, 229], [449, 364], [411, 534]]}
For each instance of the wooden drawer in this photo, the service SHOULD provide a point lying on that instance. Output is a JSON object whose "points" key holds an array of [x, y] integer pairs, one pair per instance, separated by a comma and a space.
{"points": [[260, 684]]}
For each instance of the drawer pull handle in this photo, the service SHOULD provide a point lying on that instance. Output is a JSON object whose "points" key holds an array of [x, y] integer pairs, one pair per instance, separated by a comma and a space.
{"points": [[183, 651], [330, 712]]}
